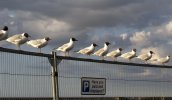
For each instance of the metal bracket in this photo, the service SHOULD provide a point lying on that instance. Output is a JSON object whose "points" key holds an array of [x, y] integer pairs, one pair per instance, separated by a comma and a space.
{"points": [[51, 59], [55, 74]]}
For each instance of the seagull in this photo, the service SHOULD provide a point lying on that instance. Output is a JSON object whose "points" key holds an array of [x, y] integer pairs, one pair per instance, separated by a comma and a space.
{"points": [[39, 43], [4, 33], [67, 47], [18, 39], [129, 55], [88, 50], [146, 57], [163, 60], [103, 51], [115, 53]]}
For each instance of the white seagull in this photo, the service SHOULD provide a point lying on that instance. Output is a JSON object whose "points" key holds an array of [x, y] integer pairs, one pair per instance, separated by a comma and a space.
{"points": [[4, 33], [129, 55], [163, 60], [18, 39], [67, 47], [88, 50], [115, 53], [103, 51], [146, 57], [39, 43]]}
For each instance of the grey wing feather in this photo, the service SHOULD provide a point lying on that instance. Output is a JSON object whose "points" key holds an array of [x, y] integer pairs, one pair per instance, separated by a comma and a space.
{"points": [[99, 51], [62, 47]]}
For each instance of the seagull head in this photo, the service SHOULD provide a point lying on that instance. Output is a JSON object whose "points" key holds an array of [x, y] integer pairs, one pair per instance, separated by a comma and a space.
{"points": [[151, 52], [5, 28], [134, 49], [120, 49], [26, 35], [107, 43], [73, 39], [168, 56], [95, 45], [47, 38]]}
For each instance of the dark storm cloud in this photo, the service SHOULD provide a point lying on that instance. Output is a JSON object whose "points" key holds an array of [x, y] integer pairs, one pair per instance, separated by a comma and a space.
{"points": [[97, 13]]}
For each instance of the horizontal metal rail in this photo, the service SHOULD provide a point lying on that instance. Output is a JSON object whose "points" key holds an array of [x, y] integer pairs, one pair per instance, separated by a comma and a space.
{"points": [[24, 52], [113, 62], [82, 59]]}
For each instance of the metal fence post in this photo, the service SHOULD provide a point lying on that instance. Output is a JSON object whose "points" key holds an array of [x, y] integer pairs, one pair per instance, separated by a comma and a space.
{"points": [[54, 73], [53, 65], [55, 70]]}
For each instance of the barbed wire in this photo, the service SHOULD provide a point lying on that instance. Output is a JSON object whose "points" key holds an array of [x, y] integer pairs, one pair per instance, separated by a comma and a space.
{"points": [[119, 79], [113, 79], [21, 74]]}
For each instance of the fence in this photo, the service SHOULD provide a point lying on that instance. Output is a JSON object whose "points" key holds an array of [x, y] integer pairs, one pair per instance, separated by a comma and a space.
{"points": [[28, 74]]}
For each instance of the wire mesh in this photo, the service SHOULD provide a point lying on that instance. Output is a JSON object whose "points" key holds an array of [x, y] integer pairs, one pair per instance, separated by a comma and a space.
{"points": [[24, 76], [121, 80]]}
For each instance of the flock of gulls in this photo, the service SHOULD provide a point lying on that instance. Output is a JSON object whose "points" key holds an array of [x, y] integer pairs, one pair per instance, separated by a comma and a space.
{"points": [[20, 39]]}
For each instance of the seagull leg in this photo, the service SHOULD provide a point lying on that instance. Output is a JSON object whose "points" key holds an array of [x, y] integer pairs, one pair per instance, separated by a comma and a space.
{"points": [[39, 50], [129, 60], [18, 47], [113, 58], [65, 54], [146, 62], [68, 53], [102, 58]]}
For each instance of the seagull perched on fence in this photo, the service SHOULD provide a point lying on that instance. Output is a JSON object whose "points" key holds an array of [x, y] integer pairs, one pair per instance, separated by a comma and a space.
{"points": [[163, 60], [4, 33], [88, 50], [103, 51], [129, 55], [39, 43], [115, 53], [146, 57], [18, 39], [67, 47]]}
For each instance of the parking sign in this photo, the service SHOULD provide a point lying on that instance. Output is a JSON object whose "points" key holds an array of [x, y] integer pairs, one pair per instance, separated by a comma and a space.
{"points": [[93, 86]]}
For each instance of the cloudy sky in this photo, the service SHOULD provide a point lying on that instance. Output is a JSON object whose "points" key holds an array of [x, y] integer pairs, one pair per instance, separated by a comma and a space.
{"points": [[142, 24]]}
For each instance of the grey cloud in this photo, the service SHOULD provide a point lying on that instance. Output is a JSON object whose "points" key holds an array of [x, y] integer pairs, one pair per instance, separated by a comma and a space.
{"points": [[98, 13], [83, 17]]}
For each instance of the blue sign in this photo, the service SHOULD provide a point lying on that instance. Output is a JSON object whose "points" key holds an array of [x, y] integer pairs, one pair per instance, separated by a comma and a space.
{"points": [[86, 86], [93, 86]]}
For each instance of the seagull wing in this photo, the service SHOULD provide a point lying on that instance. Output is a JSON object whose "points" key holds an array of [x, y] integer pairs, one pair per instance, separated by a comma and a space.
{"points": [[1, 33], [14, 38], [34, 43], [127, 55], [99, 52], [143, 57], [163, 60], [112, 53], [63, 47], [84, 51]]}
